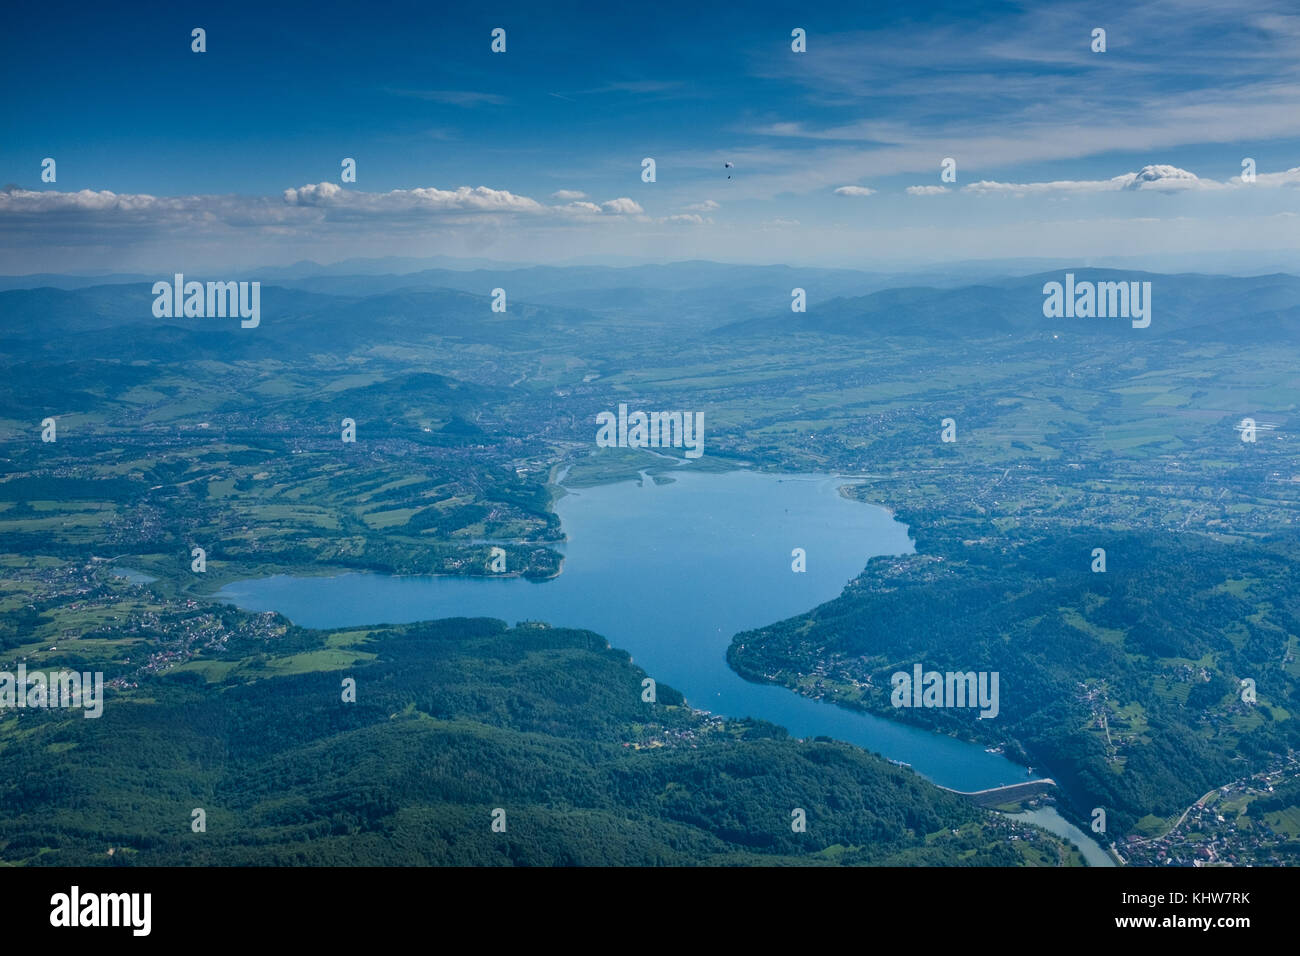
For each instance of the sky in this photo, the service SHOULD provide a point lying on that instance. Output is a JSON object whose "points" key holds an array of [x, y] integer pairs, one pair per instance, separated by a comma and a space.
{"points": [[165, 158]]}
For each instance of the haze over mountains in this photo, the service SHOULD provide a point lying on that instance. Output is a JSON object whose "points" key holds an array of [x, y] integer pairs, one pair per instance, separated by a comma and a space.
{"points": [[615, 271], [687, 297]]}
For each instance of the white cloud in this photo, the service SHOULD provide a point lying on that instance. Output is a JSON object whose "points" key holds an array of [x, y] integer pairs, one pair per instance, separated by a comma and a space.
{"points": [[612, 208], [92, 200], [927, 190], [686, 219], [419, 200], [1159, 178], [1165, 177], [707, 206], [622, 207], [311, 217], [581, 208], [104, 207], [986, 186], [313, 203], [854, 191], [567, 194], [1290, 177]]}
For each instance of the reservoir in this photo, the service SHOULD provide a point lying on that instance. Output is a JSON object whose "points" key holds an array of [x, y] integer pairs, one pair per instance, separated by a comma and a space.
{"points": [[669, 573]]}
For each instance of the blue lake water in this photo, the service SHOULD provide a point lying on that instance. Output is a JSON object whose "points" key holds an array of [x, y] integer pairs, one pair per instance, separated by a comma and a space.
{"points": [[670, 573]]}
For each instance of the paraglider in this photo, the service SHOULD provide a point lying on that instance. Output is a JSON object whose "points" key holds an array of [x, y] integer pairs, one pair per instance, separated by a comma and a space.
{"points": [[727, 166]]}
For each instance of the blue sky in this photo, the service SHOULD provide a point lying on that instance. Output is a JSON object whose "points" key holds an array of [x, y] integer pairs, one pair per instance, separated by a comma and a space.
{"points": [[231, 158]]}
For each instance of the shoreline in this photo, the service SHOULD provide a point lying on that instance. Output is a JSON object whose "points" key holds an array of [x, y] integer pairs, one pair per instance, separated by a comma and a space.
{"points": [[559, 472]]}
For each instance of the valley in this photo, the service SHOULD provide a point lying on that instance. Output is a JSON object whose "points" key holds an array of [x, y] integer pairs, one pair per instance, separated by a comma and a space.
{"points": [[1121, 686]]}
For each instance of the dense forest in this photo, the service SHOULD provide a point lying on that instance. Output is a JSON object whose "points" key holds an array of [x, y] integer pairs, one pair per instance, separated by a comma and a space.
{"points": [[1125, 684], [453, 720]]}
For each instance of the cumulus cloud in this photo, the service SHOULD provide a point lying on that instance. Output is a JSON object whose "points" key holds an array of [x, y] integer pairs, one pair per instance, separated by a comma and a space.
{"points": [[988, 186], [927, 190], [1163, 176], [27, 200], [613, 207], [568, 194], [420, 200], [1160, 177], [1290, 177], [303, 204], [686, 219], [74, 216], [622, 207], [315, 212], [707, 206], [854, 191]]}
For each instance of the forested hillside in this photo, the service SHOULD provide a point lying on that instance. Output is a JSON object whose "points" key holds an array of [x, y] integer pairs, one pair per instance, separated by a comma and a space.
{"points": [[453, 720], [1125, 682]]}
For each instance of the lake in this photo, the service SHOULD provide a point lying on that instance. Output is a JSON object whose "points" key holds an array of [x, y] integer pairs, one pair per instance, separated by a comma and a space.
{"points": [[670, 573]]}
